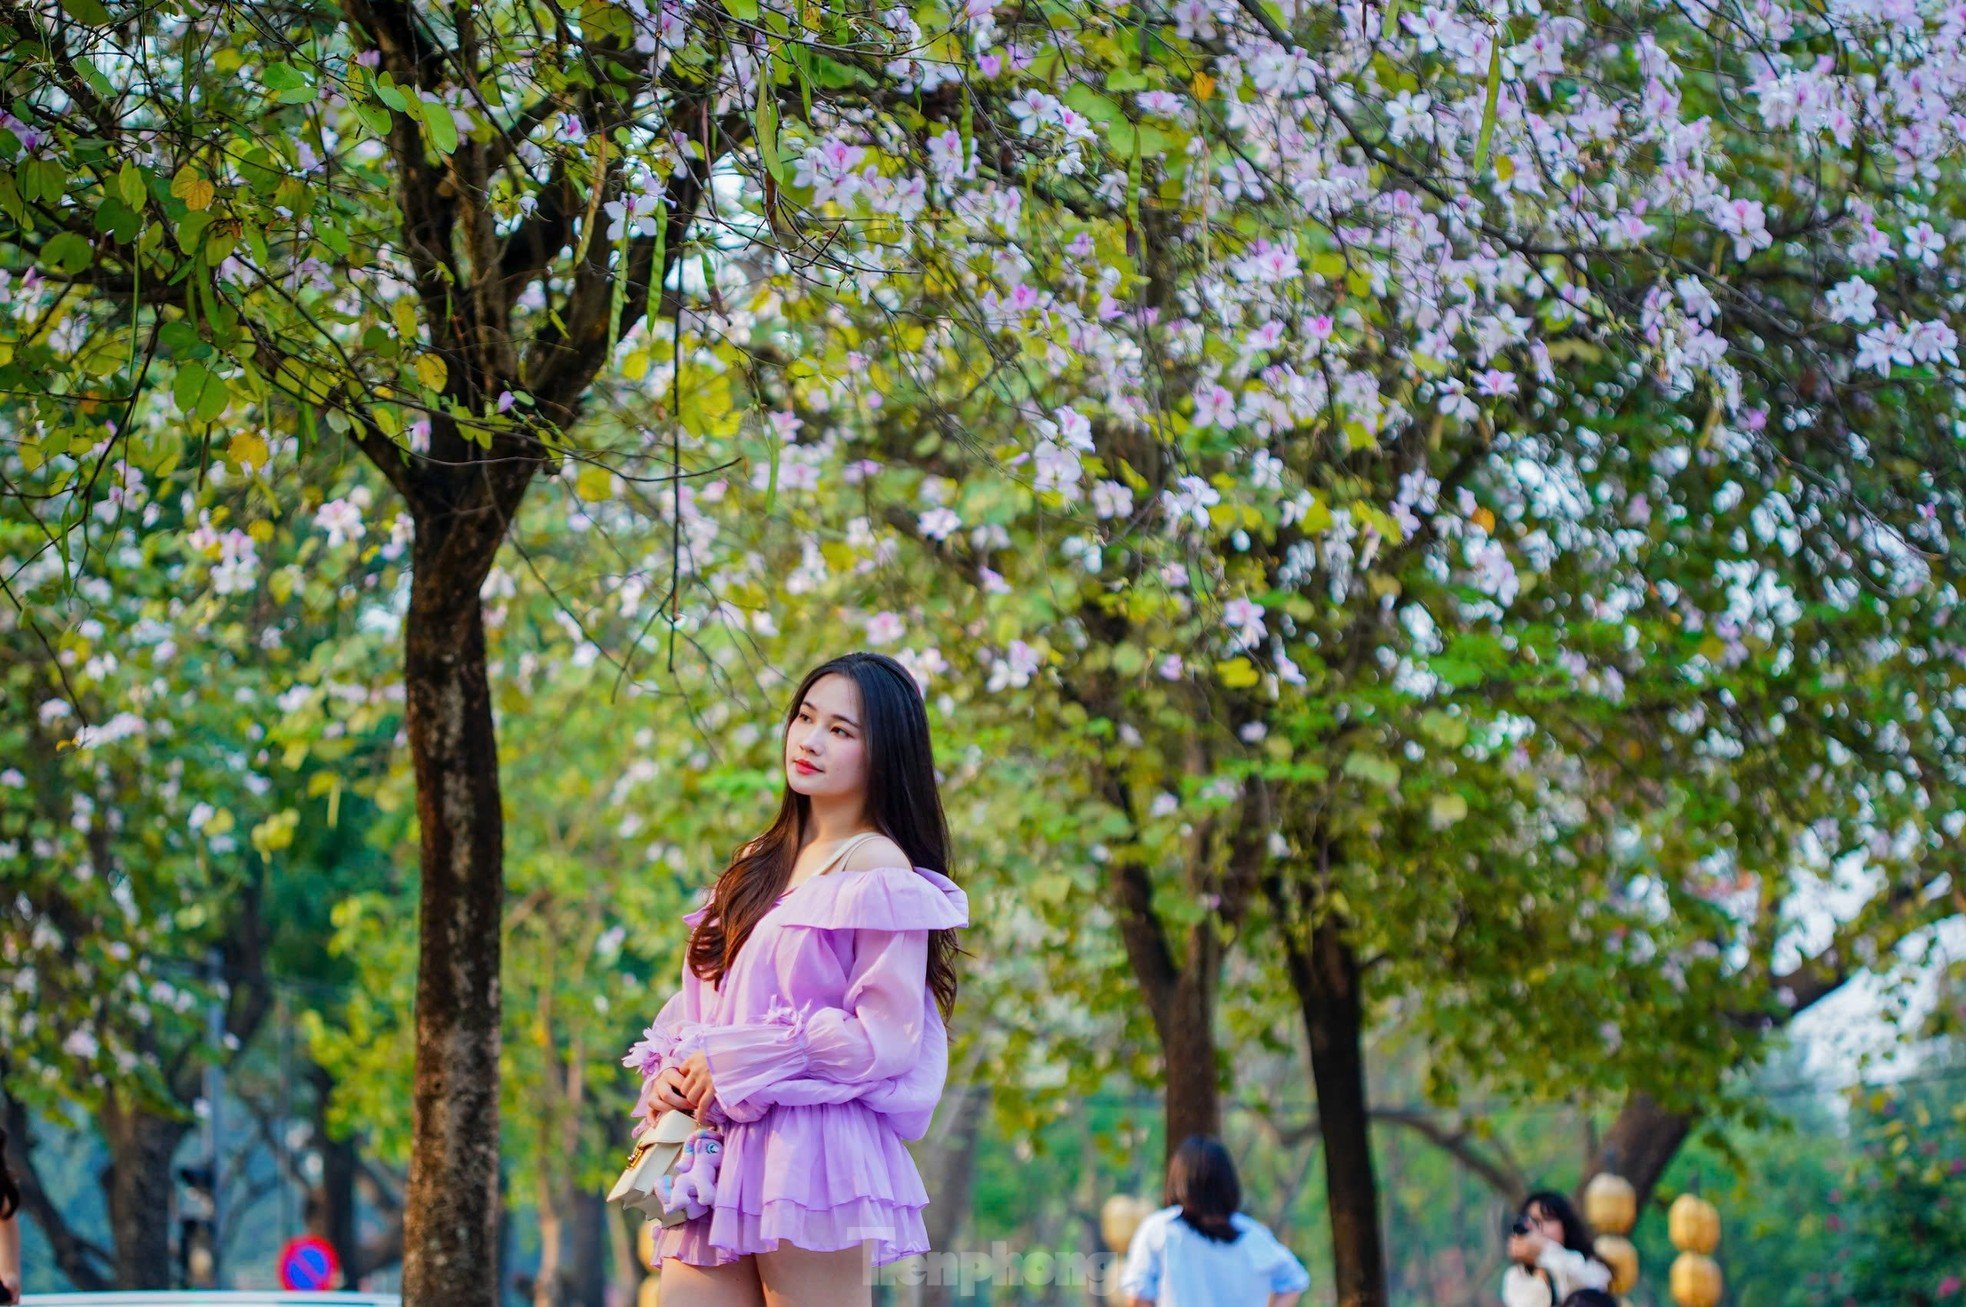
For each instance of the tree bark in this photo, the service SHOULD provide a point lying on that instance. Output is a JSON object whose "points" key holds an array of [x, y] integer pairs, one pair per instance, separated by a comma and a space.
{"points": [[547, 1290], [1641, 1144], [330, 1211], [949, 1177], [586, 1278], [84, 1264], [1191, 1101], [1324, 973], [451, 1209], [137, 1184], [1180, 997]]}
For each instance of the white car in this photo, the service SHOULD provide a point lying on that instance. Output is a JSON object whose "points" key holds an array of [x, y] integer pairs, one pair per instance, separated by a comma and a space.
{"points": [[213, 1298]]}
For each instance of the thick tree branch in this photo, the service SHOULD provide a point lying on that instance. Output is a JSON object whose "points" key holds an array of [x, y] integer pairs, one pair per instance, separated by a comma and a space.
{"points": [[86, 1264]]}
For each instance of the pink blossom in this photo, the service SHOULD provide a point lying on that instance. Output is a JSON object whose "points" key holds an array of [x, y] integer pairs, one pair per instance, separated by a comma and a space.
{"points": [[1214, 406]]}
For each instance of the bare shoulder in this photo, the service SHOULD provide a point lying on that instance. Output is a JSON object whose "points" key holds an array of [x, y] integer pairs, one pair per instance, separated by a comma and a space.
{"points": [[877, 852]]}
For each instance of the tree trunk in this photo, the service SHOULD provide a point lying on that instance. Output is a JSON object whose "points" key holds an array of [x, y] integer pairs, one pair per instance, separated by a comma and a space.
{"points": [[949, 1178], [1641, 1144], [452, 1201], [330, 1209], [83, 1263], [1192, 1102], [1325, 977], [547, 1290], [624, 1258], [586, 1278], [137, 1184]]}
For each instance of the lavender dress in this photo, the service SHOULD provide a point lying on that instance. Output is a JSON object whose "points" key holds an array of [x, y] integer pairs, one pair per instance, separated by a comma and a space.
{"points": [[826, 1051]]}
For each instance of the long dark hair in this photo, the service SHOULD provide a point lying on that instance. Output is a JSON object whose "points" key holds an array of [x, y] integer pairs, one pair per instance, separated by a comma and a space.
{"points": [[9, 1191], [902, 802], [1201, 1179], [1577, 1236]]}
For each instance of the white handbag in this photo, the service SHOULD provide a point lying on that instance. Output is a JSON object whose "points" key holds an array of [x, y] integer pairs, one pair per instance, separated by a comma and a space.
{"points": [[655, 1152]]}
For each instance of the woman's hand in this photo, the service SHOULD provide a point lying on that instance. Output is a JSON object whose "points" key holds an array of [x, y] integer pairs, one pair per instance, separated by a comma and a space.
{"points": [[1526, 1248], [686, 1086], [695, 1073], [670, 1093]]}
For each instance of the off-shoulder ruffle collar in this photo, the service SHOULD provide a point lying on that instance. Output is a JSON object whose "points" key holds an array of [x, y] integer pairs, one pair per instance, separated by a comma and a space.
{"points": [[872, 898]]}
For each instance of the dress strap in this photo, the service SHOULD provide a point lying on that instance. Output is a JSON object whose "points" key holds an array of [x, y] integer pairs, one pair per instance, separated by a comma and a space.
{"points": [[845, 849]]}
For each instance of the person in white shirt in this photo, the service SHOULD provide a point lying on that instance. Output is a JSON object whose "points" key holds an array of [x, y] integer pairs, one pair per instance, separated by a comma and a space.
{"points": [[1200, 1250], [1554, 1258]]}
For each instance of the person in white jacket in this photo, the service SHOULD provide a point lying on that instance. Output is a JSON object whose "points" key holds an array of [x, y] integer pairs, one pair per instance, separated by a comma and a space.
{"points": [[1555, 1258], [1200, 1250]]}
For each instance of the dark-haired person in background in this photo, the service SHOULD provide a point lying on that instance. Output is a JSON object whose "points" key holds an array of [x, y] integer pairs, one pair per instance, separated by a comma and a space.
{"points": [[1590, 1298], [9, 1229], [1199, 1250], [1556, 1258], [809, 1028]]}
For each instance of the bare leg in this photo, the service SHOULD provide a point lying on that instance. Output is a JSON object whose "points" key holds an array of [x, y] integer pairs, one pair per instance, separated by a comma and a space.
{"points": [[732, 1285], [800, 1277]]}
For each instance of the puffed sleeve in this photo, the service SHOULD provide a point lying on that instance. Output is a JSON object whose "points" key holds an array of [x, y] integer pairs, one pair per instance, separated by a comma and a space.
{"points": [[1572, 1269], [1521, 1289], [670, 1038], [874, 1035], [1140, 1278], [1287, 1273]]}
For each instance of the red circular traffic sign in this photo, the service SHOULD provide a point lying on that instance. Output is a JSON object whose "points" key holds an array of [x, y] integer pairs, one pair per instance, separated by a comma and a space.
{"points": [[309, 1263]]}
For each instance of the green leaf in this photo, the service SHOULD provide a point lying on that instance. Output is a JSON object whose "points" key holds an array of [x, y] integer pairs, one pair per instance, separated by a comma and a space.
{"points": [[1373, 769], [288, 84], [89, 12], [832, 75], [199, 392], [1099, 108], [443, 127], [43, 179], [373, 116], [190, 230], [1238, 673], [744, 11], [129, 185], [766, 125], [1487, 133], [390, 94], [1444, 728], [118, 219], [67, 253], [194, 188]]}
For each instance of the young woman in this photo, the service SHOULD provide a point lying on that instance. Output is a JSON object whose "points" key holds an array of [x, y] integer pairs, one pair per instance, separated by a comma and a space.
{"points": [[1560, 1246], [1199, 1250], [9, 1230], [810, 1026]]}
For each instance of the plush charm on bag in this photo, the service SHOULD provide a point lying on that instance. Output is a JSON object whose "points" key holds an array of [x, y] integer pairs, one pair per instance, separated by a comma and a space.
{"points": [[691, 1187], [656, 1150]]}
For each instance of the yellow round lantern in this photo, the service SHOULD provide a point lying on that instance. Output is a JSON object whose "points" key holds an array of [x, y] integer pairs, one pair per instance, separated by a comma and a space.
{"points": [[1610, 1204], [1693, 1224], [645, 1244], [1695, 1280], [1119, 1218], [1616, 1251]]}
